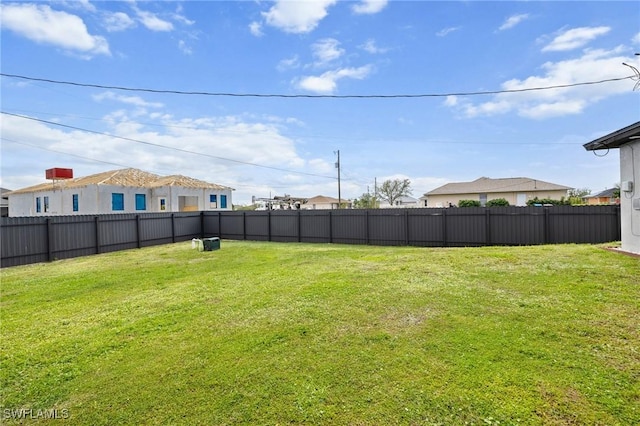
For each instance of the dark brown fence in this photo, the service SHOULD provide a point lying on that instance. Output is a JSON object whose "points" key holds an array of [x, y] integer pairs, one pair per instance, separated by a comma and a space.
{"points": [[41, 239]]}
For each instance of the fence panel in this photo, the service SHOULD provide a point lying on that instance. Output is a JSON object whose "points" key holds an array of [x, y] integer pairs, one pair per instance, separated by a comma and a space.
{"points": [[315, 226], [30, 240]]}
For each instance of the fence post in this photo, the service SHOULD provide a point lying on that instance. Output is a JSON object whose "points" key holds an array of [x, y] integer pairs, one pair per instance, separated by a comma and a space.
{"points": [[444, 228], [618, 220], [299, 228], [201, 224], [173, 227], [138, 230], [547, 231], [97, 222], [366, 224], [269, 225], [330, 228], [49, 241], [406, 227], [487, 226], [244, 225], [220, 224]]}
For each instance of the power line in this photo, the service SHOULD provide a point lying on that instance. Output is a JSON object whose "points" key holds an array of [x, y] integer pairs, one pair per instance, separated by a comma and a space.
{"points": [[265, 95], [166, 147]]}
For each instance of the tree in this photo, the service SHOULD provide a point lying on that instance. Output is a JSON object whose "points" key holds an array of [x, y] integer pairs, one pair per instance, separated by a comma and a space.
{"points": [[392, 190], [366, 201], [577, 195]]}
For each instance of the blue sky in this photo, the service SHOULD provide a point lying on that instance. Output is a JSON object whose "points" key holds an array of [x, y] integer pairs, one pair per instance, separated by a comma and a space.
{"points": [[454, 52]]}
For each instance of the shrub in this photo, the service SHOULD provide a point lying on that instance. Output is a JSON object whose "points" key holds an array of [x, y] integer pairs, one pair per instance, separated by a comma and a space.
{"points": [[497, 202], [469, 203], [544, 201]]}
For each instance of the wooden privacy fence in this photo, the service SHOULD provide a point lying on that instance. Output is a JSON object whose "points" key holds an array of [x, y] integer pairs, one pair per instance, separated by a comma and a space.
{"points": [[40, 239]]}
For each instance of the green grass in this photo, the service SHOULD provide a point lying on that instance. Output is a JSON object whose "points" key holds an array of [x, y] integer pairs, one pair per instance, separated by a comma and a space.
{"points": [[268, 333]]}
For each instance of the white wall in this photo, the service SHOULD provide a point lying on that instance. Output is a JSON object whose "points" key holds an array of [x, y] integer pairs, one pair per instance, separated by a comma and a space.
{"points": [[97, 199], [630, 216]]}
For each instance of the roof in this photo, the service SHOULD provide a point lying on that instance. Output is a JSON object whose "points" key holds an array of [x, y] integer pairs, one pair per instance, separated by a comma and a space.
{"points": [[319, 199], [488, 185], [615, 139], [603, 194], [123, 177]]}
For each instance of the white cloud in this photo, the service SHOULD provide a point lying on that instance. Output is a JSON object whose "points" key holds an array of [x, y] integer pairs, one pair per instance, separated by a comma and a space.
{"points": [[371, 47], [152, 22], [41, 24], [593, 65], [327, 82], [512, 21], [326, 50], [369, 7], [184, 48], [574, 38], [297, 16], [131, 100], [636, 39], [446, 31], [118, 21], [287, 64], [256, 29]]}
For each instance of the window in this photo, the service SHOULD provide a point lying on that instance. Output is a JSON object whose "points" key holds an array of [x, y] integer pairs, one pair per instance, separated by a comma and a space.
{"points": [[141, 202], [483, 200], [213, 201], [46, 204], [117, 201], [163, 204], [75, 202], [223, 201], [38, 205]]}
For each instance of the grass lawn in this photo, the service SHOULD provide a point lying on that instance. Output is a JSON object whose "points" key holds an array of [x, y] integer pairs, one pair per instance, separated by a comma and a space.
{"points": [[270, 333]]}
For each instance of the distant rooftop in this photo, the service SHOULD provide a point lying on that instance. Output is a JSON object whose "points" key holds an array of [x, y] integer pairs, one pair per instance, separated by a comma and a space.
{"points": [[123, 177], [485, 184]]}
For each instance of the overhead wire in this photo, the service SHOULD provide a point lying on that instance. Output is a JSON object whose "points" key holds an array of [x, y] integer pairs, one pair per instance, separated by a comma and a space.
{"points": [[276, 95]]}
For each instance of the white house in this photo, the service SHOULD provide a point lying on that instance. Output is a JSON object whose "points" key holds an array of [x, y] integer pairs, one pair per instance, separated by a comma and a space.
{"points": [[628, 141], [321, 202], [402, 202], [119, 191]]}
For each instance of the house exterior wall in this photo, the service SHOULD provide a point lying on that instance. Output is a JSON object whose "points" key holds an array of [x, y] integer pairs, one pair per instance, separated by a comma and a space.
{"points": [[630, 200], [443, 200], [97, 199]]}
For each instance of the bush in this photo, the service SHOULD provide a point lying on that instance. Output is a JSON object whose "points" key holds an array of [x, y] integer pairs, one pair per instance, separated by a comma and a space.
{"points": [[544, 201], [497, 202], [469, 203]]}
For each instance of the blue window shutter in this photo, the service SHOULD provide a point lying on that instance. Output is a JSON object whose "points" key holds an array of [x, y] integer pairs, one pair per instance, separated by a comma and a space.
{"points": [[223, 201], [117, 201], [75, 202], [38, 205], [141, 202], [213, 201]]}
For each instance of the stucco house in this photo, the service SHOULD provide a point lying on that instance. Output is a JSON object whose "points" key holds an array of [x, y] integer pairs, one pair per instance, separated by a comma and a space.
{"points": [[119, 191], [608, 196], [321, 202], [402, 202], [4, 202], [627, 140], [517, 191]]}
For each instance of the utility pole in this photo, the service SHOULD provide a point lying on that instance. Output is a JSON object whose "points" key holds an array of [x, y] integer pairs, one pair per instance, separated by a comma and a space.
{"points": [[338, 167]]}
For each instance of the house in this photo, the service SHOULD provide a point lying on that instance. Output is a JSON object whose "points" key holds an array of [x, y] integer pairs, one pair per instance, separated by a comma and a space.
{"points": [[401, 202], [119, 191], [320, 202], [608, 196], [627, 140], [517, 191], [4, 202]]}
